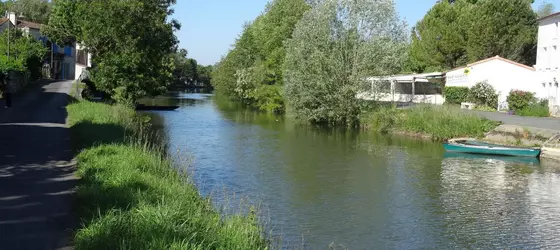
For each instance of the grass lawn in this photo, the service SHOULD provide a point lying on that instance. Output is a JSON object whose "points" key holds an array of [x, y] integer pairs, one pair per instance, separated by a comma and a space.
{"points": [[130, 196]]}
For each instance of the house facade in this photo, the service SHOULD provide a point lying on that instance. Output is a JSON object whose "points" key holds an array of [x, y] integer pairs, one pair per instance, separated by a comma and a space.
{"points": [[548, 60], [83, 60], [502, 74], [60, 62]]}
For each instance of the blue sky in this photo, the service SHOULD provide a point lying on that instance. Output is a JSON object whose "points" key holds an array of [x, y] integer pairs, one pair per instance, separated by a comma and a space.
{"points": [[209, 27]]}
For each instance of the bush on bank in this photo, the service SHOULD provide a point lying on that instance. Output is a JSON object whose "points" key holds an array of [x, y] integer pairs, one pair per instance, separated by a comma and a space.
{"points": [[130, 196], [456, 95], [436, 122]]}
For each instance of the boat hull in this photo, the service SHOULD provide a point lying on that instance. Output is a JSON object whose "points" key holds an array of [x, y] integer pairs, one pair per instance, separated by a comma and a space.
{"points": [[156, 108], [491, 149]]}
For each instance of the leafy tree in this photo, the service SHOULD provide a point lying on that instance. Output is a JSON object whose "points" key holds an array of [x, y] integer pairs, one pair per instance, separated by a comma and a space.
{"points": [[32, 10], [191, 71], [507, 28], [545, 9], [257, 57], [131, 42], [439, 40], [25, 53], [334, 48], [205, 75]]}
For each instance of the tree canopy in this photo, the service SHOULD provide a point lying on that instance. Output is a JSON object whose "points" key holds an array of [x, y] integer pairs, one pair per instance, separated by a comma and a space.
{"points": [[545, 9], [187, 72], [455, 33], [252, 71], [335, 47], [131, 42], [25, 53]]}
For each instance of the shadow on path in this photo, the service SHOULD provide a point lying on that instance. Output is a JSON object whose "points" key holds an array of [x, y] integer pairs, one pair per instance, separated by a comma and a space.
{"points": [[36, 171]]}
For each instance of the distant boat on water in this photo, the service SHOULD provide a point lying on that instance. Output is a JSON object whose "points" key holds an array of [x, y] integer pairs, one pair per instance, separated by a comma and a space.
{"points": [[156, 108]]}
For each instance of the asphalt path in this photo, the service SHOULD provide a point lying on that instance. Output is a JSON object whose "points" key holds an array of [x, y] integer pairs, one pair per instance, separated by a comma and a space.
{"points": [[36, 170]]}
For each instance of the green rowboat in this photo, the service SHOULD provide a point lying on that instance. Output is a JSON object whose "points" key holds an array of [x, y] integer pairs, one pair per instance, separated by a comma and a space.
{"points": [[472, 146]]}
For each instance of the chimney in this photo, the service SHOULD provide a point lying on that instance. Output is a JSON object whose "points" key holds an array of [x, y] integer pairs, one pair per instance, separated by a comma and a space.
{"points": [[13, 18]]}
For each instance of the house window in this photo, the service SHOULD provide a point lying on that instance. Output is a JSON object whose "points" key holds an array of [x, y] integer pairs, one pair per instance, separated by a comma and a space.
{"points": [[546, 58], [82, 57], [554, 57]]}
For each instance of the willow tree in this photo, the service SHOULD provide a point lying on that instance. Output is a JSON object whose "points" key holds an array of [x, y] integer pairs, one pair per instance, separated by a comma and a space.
{"points": [[334, 48]]}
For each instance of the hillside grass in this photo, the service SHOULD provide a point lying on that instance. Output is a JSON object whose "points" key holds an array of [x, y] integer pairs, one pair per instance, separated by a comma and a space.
{"points": [[130, 196], [435, 122]]}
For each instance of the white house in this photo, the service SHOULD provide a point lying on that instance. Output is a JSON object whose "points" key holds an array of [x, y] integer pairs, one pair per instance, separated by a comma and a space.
{"points": [[83, 60], [503, 74], [415, 88], [548, 60], [61, 60]]}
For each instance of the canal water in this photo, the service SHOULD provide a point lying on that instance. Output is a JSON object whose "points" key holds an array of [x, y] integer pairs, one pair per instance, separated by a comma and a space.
{"points": [[317, 188]]}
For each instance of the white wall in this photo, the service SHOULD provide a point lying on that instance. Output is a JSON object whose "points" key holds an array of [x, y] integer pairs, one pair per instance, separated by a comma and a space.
{"points": [[548, 50], [503, 76], [548, 61], [79, 68]]}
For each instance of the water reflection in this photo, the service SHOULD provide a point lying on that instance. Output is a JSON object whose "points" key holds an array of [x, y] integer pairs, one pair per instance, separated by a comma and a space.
{"points": [[363, 190]]}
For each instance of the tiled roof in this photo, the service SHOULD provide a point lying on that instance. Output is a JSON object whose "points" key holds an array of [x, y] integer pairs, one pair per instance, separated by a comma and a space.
{"points": [[551, 15], [496, 58], [3, 20], [31, 25]]}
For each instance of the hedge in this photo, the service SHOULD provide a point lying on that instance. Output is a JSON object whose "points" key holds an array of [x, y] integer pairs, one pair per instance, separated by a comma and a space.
{"points": [[456, 95]]}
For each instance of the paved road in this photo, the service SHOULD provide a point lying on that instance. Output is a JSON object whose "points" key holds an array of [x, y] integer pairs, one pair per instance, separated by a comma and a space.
{"points": [[536, 122], [36, 171]]}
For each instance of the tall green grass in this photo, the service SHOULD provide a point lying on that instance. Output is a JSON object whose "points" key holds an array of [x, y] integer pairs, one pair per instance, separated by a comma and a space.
{"points": [[437, 122], [536, 110], [130, 196]]}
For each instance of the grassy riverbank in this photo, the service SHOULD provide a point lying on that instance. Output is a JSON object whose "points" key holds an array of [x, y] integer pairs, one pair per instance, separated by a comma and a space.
{"points": [[437, 123], [130, 197]]}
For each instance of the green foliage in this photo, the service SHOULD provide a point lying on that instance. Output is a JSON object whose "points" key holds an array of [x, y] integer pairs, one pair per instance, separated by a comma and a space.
{"points": [[132, 59], [269, 98], [534, 109], [485, 108], [507, 28], [519, 99], [437, 122], [25, 53], [188, 72], [454, 34], [130, 197], [334, 48], [255, 62], [205, 75], [439, 40], [483, 93], [456, 95], [32, 10]]}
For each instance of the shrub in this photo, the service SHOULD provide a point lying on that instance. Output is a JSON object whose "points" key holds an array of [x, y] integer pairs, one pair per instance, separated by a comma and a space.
{"points": [[519, 99], [438, 122], [269, 98], [485, 108], [484, 94], [456, 95]]}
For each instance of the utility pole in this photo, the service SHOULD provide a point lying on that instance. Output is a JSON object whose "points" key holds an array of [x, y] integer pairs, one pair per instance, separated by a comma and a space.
{"points": [[52, 59]]}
